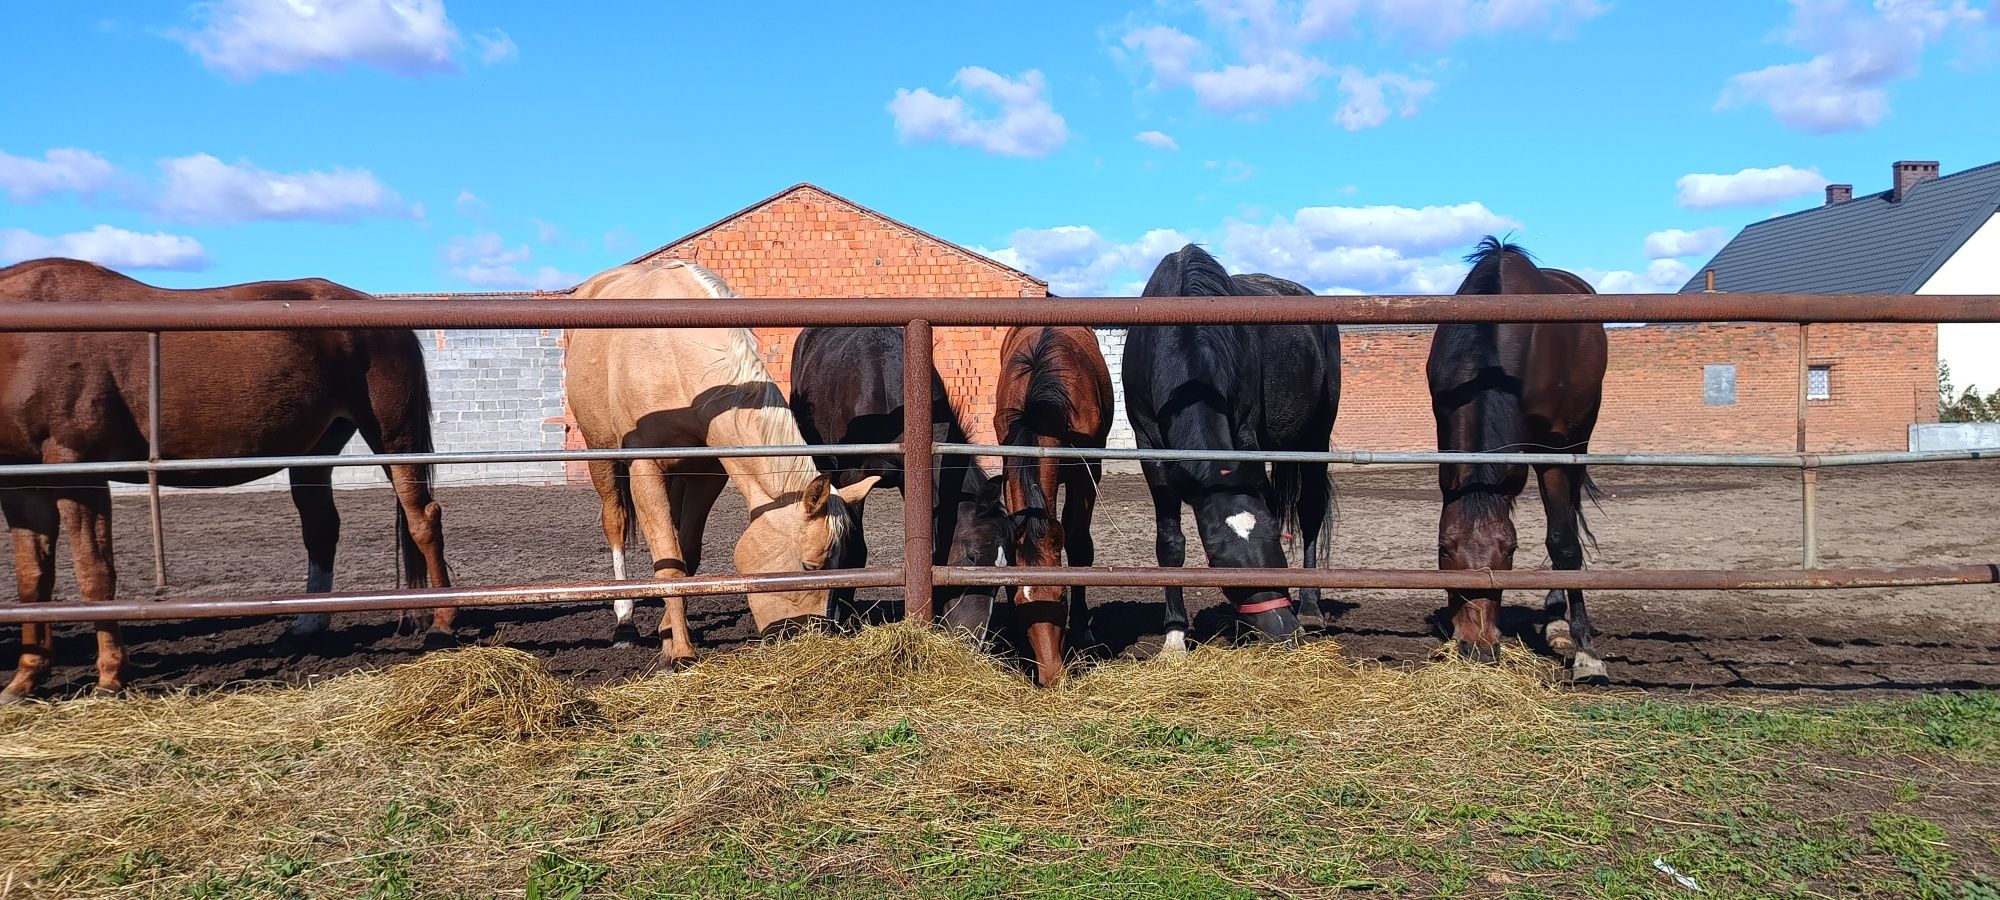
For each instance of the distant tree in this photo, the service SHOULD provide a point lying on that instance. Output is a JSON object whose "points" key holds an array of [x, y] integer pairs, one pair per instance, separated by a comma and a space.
{"points": [[1968, 405]]}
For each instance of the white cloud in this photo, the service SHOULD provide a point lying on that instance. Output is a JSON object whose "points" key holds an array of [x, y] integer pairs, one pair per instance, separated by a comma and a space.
{"points": [[470, 206], [107, 246], [1025, 125], [26, 179], [1662, 276], [1332, 249], [1232, 171], [1076, 261], [201, 188], [247, 38], [1748, 187], [1273, 61], [1171, 52], [1857, 54], [496, 47], [1285, 79], [485, 260], [1367, 97], [1158, 140], [1674, 242]]}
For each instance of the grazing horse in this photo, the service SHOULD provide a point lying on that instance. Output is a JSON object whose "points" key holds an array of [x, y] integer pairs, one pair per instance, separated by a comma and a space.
{"points": [[1524, 388], [1234, 387], [1055, 391], [847, 388], [83, 397], [699, 387]]}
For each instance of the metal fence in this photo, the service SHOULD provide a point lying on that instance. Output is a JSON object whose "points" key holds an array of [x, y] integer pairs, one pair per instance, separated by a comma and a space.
{"points": [[916, 316]]}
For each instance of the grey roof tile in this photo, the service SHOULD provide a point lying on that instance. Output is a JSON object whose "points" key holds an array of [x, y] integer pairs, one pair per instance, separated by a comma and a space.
{"points": [[1867, 245]]}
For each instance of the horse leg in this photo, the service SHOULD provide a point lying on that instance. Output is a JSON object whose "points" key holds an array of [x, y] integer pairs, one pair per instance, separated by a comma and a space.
{"points": [[608, 477], [422, 544], [1079, 506], [319, 523], [86, 518], [397, 420], [1569, 629], [31, 517], [692, 492], [1170, 548], [1314, 495], [654, 504]]}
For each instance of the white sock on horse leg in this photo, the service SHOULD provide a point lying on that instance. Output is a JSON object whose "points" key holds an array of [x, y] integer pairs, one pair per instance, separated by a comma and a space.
{"points": [[1176, 642], [622, 608], [618, 564]]}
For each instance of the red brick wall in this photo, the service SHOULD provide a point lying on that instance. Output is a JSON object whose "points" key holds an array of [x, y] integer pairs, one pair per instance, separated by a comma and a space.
{"points": [[1883, 378], [807, 243]]}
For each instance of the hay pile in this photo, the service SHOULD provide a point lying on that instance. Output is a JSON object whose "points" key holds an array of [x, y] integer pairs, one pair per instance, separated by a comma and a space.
{"points": [[468, 769]]}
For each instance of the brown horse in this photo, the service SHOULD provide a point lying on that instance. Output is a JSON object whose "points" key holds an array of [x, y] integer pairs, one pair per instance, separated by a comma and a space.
{"points": [[82, 397], [699, 387], [1055, 391], [1522, 388]]}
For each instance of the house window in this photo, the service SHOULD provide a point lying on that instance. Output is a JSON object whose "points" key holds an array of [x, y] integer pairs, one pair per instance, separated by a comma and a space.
{"points": [[1819, 382], [1718, 385]]}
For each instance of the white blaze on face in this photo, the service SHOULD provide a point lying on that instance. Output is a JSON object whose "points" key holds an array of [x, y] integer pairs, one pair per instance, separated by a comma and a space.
{"points": [[1242, 523]]}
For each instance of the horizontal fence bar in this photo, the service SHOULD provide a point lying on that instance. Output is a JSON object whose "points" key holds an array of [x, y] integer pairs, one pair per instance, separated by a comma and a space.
{"points": [[559, 311], [431, 598], [967, 576], [482, 456], [1481, 579], [1385, 457]]}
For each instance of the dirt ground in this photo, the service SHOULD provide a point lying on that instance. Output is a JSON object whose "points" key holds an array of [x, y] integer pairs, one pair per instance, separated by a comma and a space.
{"points": [[1864, 642]]}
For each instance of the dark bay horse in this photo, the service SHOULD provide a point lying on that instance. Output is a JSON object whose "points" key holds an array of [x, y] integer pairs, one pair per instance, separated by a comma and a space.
{"points": [[1234, 387], [847, 388], [1526, 388], [1054, 391], [83, 398]]}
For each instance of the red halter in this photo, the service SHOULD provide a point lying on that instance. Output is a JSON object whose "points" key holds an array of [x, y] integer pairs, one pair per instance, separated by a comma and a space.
{"points": [[1251, 609]]}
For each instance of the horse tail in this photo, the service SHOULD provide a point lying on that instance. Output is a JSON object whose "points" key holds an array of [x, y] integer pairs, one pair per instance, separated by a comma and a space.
{"points": [[1586, 489]]}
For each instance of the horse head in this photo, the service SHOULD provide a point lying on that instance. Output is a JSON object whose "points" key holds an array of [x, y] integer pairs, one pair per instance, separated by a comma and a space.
{"points": [[808, 535]]}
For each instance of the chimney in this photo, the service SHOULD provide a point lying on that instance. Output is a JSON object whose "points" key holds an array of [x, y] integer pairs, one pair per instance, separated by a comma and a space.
{"points": [[1839, 193], [1909, 174]]}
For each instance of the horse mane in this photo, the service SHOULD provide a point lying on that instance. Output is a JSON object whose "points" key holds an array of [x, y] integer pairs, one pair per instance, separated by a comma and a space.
{"points": [[1496, 269], [1047, 409]]}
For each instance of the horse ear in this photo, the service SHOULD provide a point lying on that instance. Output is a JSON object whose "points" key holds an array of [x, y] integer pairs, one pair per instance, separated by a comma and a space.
{"points": [[858, 491], [993, 488], [815, 496]]}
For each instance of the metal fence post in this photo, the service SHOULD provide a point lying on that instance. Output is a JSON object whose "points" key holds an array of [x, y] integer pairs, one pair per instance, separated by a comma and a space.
{"points": [[1809, 473], [153, 458], [917, 460]]}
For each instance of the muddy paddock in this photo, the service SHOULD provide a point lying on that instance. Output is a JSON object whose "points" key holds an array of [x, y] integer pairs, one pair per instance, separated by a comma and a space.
{"points": [[1854, 642]]}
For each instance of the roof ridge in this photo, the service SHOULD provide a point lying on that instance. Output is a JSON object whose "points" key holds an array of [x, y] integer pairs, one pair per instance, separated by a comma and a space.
{"points": [[858, 209]]}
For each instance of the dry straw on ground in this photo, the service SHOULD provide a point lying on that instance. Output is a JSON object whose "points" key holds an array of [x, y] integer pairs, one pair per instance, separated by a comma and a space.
{"points": [[466, 766]]}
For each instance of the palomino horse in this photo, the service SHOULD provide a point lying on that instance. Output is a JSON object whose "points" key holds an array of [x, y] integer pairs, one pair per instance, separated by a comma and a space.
{"points": [[1525, 388], [1055, 391], [847, 388], [698, 387], [1234, 387], [83, 398]]}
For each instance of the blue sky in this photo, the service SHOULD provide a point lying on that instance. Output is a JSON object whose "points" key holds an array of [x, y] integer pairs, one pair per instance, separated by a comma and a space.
{"points": [[1356, 145]]}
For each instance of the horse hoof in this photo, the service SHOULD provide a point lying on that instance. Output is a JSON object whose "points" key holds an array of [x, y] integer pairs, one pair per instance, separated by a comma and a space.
{"points": [[1588, 669], [308, 625], [672, 664], [112, 690], [9, 698], [436, 639], [1557, 634], [625, 636]]}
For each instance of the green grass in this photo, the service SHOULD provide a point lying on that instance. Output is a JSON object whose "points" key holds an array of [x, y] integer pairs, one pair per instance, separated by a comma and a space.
{"points": [[1857, 800]]}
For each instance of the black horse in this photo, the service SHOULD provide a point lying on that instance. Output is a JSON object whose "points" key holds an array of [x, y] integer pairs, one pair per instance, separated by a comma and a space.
{"points": [[847, 388], [1234, 387], [1525, 388]]}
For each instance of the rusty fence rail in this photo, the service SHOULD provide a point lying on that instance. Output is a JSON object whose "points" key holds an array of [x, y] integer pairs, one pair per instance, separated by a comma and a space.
{"points": [[917, 316]]}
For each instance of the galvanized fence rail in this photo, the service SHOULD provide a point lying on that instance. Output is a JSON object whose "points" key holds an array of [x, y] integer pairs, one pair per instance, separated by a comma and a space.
{"points": [[917, 316]]}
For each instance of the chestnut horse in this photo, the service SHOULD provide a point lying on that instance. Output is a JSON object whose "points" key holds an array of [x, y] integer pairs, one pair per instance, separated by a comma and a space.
{"points": [[699, 387], [1525, 388], [83, 397], [1054, 391]]}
